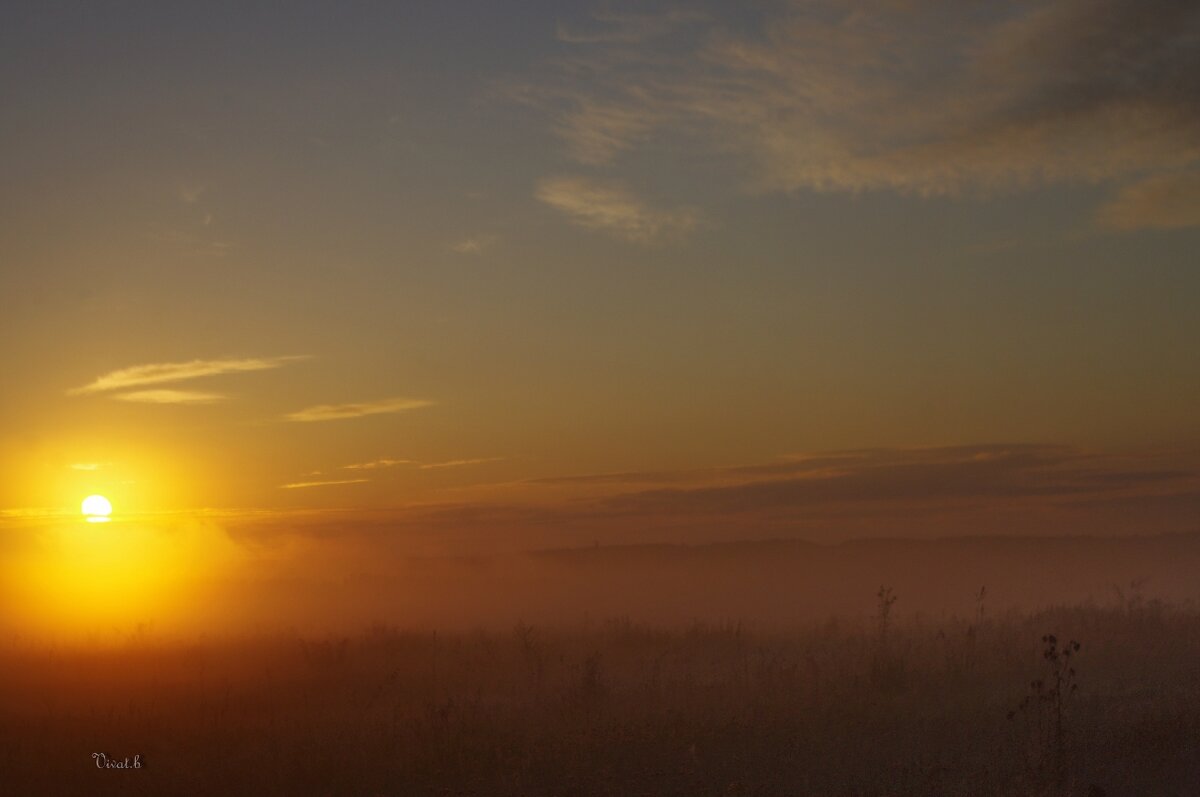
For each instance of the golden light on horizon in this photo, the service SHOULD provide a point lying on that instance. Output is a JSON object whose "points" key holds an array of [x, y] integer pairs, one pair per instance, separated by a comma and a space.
{"points": [[83, 580], [97, 509]]}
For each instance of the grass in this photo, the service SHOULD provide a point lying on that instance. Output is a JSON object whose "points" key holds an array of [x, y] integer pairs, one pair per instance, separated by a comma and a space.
{"points": [[883, 707]]}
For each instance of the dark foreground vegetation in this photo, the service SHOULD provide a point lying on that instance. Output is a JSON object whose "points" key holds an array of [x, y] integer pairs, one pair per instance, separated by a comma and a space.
{"points": [[975, 706]]}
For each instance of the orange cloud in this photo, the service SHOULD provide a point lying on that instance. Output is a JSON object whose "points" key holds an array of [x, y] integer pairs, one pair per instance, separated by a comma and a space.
{"points": [[611, 207], [1163, 202], [301, 485], [170, 397], [158, 373], [333, 412]]}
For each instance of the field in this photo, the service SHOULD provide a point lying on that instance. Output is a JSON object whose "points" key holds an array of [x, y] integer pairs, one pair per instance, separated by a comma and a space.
{"points": [[882, 705]]}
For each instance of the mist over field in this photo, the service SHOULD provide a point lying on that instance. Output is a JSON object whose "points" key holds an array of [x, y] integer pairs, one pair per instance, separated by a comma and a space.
{"points": [[878, 667], [772, 583], [767, 584], [342, 585]]}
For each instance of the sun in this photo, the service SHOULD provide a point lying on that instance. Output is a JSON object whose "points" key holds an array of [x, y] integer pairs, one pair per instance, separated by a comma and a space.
{"points": [[97, 509]]}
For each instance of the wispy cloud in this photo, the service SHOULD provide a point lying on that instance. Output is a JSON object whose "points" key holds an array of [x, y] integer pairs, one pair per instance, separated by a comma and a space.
{"points": [[891, 488], [458, 463], [391, 463], [170, 397], [985, 475], [1164, 202], [333, 412], [597, 131], [976, 489], [611, 207], [35, 513], [191, 192], [922, 97], [158, 373], [474, 245], [380, 463], [86, 466], [302, 485]]}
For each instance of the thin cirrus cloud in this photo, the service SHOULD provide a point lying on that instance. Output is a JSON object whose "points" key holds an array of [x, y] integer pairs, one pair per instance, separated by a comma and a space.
{"points": [[160, 373], [923, 97], [986, 475], [1025, 488], [458, 463], [378, 464], [474, 245], [334, 412], [170, 397], [1163, 202], [611, 207], [898, 483], [330, 483]]}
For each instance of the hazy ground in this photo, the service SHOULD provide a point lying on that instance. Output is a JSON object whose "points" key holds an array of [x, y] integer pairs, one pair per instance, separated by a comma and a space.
{"points": [[888, 700]]}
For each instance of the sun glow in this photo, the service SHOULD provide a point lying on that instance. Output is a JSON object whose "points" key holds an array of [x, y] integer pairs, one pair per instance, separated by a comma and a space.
{"points": [[97, 509], [87, 581]]}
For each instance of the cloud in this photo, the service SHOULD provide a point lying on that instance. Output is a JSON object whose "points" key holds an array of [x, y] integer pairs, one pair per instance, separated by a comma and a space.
{"points": [[610, 207], [191, 192], [302, 485], [86, 466], [380, 463], [158, 373], [170, 397], [391, 463], [458, 463], [619, 478], [1163, 202], [333, 412], [596, 132], [1026, 489], [924, 97], [868, 480], [980, 476], [473, 246], [34, 512], [824, 464]]}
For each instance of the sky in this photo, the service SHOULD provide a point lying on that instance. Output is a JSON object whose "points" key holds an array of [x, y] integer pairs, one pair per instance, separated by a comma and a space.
{"points": [[483, 275]]}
